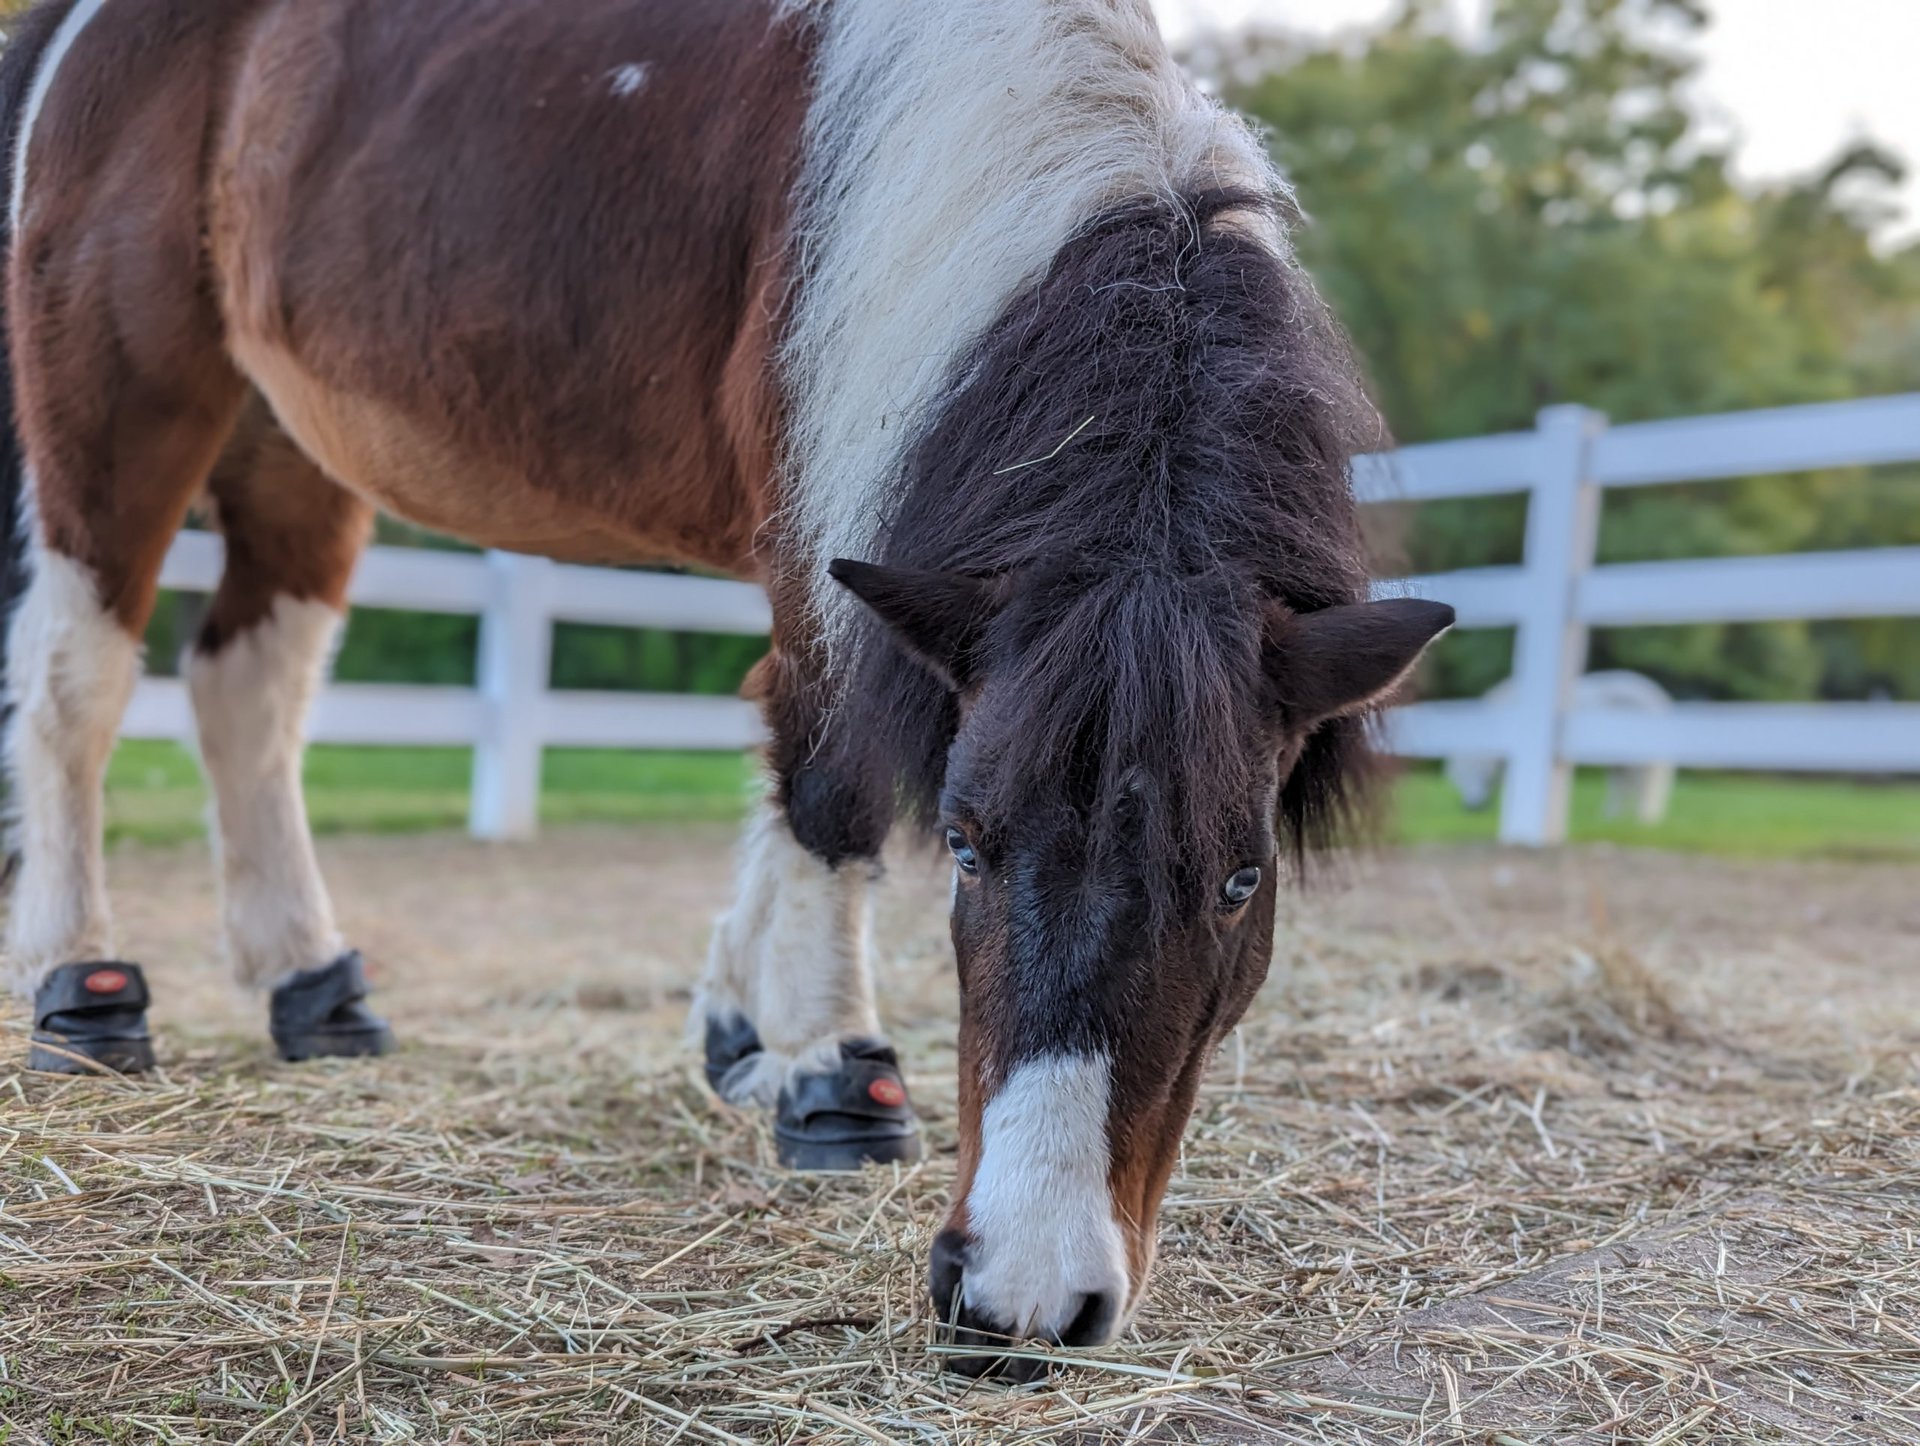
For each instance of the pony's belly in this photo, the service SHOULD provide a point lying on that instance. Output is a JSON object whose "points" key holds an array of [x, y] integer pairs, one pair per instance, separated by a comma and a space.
{"points": [[400, 465]]}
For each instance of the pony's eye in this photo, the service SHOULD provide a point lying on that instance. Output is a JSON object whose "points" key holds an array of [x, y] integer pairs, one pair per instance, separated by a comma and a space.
{"points": [[1241, 887], [963, 853]]}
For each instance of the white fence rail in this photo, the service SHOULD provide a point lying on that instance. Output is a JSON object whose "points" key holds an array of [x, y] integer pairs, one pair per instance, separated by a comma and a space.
{"points": [[1558, 594], [510, 715], [1552, 599]]}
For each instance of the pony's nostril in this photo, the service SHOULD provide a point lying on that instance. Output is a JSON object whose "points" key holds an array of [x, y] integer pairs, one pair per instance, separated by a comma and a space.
{"points": [[1092, 1324]]}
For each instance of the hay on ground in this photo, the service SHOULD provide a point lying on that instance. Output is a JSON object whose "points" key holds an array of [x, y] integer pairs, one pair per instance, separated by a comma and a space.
{"points": [[1585, 1146]]}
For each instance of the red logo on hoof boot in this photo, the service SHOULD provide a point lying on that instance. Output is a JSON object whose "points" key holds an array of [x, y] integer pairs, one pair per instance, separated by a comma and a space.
{"points": [[888, 1092], [106, 981]]}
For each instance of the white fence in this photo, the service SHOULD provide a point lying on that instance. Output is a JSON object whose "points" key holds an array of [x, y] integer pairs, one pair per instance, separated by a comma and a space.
{"points": [[1552, 599], [1557, 594], [511, 714]]}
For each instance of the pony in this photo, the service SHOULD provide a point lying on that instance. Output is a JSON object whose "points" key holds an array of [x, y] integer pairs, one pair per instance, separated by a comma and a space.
{"points": [[969, 330], [1640, 792]]}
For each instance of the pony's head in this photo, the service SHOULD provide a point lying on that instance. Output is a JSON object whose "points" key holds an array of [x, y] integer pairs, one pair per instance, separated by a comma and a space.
{"points": [[1116, 797]]}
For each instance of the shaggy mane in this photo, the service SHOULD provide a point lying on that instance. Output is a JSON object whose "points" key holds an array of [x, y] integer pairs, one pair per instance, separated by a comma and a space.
{"points": [[1154, 442]]}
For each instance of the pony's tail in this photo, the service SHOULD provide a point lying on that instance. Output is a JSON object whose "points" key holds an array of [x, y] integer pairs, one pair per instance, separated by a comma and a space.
{"points": [[26, 42]]}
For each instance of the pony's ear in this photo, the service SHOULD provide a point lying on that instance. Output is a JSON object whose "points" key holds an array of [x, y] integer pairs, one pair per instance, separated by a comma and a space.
{"points": [[1344, 660], [938, 617]]}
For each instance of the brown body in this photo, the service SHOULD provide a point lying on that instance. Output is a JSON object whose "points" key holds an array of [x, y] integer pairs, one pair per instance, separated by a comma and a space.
{"points": [[265, 185]]}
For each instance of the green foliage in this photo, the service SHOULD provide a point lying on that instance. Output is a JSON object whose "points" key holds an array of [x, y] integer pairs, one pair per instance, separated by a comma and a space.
{"points": [[650, 660], [384, 646], [1536, 219]]}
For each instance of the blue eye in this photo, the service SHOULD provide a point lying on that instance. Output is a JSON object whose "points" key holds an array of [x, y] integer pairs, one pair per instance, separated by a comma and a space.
{"points": [[1241, 887], [963, 853]]}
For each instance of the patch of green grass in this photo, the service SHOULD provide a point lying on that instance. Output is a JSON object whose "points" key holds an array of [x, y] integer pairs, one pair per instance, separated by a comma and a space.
{"points": [[154, 794], [1721, 813]]}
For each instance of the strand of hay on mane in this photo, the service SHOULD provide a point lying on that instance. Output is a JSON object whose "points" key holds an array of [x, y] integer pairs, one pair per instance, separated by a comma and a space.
{"points": [[1529, 1149]]}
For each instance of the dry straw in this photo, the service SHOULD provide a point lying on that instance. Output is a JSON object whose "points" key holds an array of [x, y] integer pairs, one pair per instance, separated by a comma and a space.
{"points": [[1494, 1168]]}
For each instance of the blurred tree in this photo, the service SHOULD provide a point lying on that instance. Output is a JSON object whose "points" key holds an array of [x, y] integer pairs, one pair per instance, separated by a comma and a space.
{"points": [[1532, 217]]}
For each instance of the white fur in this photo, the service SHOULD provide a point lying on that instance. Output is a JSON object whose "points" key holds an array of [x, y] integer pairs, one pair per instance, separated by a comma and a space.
{"points": [[250, 703], [1642, 791], [952, 149], [1040, 1221], [71, 668], [626, 80], [791, 956], [77, 20]]}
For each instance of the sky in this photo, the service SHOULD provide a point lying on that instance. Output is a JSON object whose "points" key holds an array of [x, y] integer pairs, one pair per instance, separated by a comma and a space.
{"points": [[1790, 80]]}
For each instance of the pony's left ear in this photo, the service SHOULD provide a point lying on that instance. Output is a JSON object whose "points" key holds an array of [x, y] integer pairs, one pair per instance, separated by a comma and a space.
{"points": [[1348, 659], [938, 617]]}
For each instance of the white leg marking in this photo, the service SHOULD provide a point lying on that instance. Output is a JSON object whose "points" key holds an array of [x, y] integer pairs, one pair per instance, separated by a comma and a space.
{"points": [[952, 149], [70, 671], [1040, 1214], [77, 20], [250, 704], [791, 955]]}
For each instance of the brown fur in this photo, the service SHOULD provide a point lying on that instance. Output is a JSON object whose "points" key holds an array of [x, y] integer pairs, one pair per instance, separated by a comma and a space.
{"points": [[290, 530], [229, 174], [124, 395], [617, 408]]}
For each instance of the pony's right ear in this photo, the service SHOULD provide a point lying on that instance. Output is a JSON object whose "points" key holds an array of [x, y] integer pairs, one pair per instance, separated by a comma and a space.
{"points": [[938, 617]]}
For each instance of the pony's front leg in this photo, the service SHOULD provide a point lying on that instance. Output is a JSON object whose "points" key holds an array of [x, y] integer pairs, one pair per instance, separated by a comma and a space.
{"points": [[786, 1007]]}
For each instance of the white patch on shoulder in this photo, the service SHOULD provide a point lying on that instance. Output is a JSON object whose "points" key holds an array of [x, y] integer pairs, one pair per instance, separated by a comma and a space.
{"points": [[626, 80], [1040, 1222], [952, 149], [81, 16], [250, 703]]}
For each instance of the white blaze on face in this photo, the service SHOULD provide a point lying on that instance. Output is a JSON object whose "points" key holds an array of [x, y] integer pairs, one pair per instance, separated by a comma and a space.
{"points": [[1040, 1221]]}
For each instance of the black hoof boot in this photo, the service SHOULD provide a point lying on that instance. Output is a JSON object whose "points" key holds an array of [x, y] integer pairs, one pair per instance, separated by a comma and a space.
{"points": [[323, 1012], [94, 1012], [856, 1115]]}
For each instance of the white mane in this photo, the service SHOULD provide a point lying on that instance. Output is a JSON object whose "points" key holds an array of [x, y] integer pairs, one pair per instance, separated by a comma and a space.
{"points": [[952, 148]]}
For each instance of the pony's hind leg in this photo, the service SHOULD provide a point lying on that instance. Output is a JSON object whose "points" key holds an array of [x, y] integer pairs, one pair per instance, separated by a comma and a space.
{"points": [[123, 396], [112, 463], [292, 539], [113, 458], [786, 1005], [71, 667]]}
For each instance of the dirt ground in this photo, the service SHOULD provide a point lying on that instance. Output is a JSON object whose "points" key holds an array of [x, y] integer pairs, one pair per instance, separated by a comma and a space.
{"points": [[1575, 1146]]}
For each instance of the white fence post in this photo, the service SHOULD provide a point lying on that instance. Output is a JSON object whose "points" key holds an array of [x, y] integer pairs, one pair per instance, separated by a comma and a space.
{"points": [[1550, 650], [516, 649]]}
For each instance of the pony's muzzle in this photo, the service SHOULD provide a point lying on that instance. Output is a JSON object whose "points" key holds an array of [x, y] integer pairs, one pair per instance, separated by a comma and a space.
{"points": [[1066, 1318]]}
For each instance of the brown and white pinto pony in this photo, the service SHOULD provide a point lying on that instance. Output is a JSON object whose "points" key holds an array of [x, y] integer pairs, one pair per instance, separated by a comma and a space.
{"points": [[982, 293]]}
